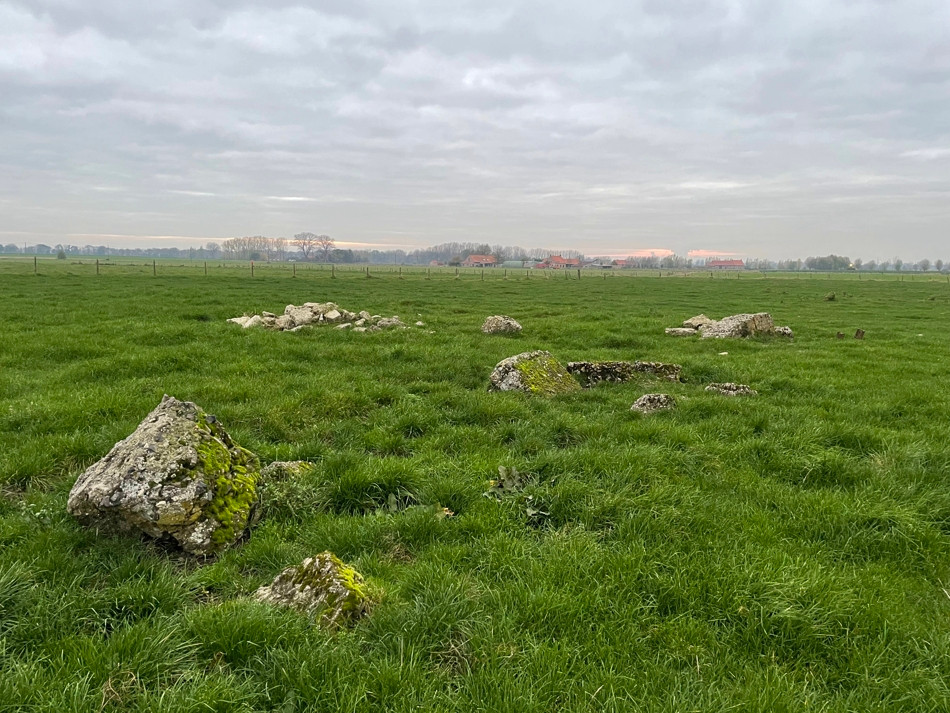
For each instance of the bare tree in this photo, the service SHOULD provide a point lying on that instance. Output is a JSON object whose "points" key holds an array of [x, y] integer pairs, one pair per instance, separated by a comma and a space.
{"points": [[939, 265], [213, 250], [306, 243], [325, 243], [277, 249], [924, 265]]}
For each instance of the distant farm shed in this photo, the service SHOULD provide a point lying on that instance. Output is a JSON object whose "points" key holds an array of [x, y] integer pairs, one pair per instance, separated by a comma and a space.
{"points": [[725, 265]]}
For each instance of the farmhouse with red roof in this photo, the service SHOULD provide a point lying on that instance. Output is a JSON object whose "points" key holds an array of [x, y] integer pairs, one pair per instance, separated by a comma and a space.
{"points": [[479, 261], [556, 262]]}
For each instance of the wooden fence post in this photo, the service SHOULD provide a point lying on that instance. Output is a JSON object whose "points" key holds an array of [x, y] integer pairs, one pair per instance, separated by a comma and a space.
{"points": [[97, 266], [252, 268], [154, 269], [206, 269]]}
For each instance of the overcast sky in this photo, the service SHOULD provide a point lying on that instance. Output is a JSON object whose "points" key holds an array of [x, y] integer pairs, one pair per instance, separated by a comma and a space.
{"points": [[761, 128]]}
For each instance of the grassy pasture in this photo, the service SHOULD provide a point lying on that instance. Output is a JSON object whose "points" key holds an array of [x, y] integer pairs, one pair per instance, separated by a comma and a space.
{"points": [[785, 552]]}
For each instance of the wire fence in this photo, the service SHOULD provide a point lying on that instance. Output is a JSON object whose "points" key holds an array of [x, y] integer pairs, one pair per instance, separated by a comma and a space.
{"points": [[51, 266]]}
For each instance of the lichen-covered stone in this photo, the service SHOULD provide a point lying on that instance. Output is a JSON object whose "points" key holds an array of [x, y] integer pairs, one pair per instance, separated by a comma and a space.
{"points": [[178, 476], [650, 403], [731, 389], [500, 324], [785, 332], [322, 587], [533, 373], [681, 331], [740, 325]]}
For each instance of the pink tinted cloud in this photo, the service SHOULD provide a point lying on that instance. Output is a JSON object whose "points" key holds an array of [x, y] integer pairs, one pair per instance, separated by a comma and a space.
{"points": [[711, 253], [642, 252]]}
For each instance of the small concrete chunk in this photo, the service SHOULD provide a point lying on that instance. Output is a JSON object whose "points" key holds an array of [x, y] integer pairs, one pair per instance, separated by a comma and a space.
{"points": [[390, 323], [500, 324], [651, 403], [283, 469], [697, 322], [321, 587], [731, 389]]}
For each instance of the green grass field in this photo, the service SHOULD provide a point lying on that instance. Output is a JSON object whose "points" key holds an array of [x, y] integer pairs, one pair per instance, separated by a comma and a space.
{"points": [[787, 552]]}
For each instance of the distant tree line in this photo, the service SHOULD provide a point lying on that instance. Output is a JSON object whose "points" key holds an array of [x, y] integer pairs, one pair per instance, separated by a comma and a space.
{"points": [[838, 262], [209, 251], [307, 246]]}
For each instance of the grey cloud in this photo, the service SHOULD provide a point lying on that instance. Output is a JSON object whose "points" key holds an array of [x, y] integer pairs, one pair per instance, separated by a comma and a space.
{"points": [[753, 126]]}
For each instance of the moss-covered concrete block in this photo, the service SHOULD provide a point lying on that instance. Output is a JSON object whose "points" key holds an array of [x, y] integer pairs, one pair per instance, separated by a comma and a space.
{"points": [[533, 373], [179, 476], [322, 587]]}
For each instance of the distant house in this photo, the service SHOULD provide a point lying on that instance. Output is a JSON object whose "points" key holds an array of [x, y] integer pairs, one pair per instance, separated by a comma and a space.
{"points": [[600, 264], [479, 261], [556, 262], [436, 263], [725, 264]]}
